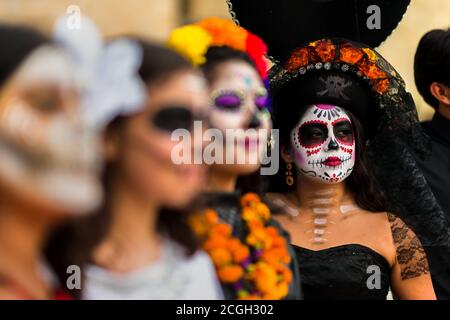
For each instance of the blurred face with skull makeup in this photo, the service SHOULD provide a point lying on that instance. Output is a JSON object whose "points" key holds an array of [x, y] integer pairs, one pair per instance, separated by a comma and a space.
{"points": [[49, 162], [47, 156]]}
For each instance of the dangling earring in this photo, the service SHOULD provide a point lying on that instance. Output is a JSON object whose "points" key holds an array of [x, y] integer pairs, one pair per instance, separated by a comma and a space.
{"points": [[289, 177]]}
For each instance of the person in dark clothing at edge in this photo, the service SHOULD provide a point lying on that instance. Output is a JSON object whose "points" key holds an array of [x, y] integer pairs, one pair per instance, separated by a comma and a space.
{"points": [[432, 76]]}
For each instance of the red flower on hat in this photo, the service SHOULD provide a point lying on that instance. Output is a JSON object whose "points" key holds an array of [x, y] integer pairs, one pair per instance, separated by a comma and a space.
{"points": [[257, 50]]}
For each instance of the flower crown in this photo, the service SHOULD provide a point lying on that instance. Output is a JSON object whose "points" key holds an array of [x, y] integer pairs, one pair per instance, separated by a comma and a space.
{"points": [[345, 56], [193, 41]]}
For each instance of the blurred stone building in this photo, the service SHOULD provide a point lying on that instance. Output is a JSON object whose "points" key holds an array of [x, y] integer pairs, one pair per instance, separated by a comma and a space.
{"points": [[155, 19]]}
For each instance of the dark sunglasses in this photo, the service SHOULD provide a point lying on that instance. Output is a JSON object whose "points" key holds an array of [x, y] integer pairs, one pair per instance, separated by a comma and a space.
{"points": [[171, 118]]}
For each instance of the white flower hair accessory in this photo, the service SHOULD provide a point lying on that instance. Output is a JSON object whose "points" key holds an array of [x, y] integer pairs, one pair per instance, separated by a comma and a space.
{"points": [[107, 74]]}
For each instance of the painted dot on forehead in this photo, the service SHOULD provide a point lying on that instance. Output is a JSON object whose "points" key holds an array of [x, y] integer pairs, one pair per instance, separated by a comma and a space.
{"points": [[248, 81]]}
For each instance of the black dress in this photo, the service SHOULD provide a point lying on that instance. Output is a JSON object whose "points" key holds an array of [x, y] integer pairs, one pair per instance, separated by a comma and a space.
{"points": [[348, 272]]}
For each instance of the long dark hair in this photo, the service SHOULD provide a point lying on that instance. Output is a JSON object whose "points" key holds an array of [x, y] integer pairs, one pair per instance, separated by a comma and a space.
{"points": [[74, 242], [362, 182]]}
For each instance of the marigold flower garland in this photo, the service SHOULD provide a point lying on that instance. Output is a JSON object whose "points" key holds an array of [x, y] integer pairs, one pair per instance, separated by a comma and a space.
{"points": [[325, 51], [193, 42], [255, 269]]}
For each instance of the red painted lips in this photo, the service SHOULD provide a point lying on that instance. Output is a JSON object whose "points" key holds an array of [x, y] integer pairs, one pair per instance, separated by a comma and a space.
{"points": [[332, 162]]}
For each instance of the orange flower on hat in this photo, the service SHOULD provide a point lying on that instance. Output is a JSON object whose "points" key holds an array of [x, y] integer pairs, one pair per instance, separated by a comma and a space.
{"points": [[298, 59], [371, 71], [350, 54], [325, 49], [225, 33], [382, 86]]}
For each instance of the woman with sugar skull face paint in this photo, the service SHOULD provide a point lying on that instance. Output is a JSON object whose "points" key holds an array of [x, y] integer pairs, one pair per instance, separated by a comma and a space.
{"points": [[330, 99], [139, 246], [248, 266], [48, 160]]}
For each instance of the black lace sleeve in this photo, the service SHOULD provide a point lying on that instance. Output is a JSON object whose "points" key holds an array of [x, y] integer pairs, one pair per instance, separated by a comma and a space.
{"points": [[408, 193], [410, 254]]}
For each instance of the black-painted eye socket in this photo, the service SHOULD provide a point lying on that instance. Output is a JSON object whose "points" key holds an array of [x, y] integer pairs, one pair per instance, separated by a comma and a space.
{"points": [[313, 134], [343, 131], [228, 101], [171, 118]]}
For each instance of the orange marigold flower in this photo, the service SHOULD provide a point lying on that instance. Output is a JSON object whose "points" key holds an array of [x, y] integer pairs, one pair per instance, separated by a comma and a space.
{"points": [[249, 214], [382, 86], [279, 291], [240, 254], [279, 241], [199, 224], [211, 216], [265, 277], [298, 59], [350, 54], [215, 242], [263, 211], [222, 229], [230, 274], [254, 224], [372, 71], [225, 33], [250, 198], [325, 49], [220, 257], [272, 231]]}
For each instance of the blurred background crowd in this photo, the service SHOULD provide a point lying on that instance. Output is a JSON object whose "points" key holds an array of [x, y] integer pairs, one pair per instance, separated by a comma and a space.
{"points": [[155, 19]]}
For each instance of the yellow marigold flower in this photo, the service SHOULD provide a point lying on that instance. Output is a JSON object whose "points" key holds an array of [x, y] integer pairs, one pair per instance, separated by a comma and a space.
{"points": [[249, 199], [249, 214], [263, 210], [371, 54], [192, 42]]}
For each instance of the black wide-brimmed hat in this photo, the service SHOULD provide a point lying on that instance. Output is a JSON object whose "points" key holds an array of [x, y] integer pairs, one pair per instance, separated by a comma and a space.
{"points": [[285, 24]]}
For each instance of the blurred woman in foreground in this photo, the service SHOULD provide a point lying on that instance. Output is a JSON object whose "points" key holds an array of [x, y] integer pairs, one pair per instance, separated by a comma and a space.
{"points": [[48, 161]]}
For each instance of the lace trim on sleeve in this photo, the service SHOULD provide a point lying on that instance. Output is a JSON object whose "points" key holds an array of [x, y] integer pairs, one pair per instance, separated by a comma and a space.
{"points": [[410, 254]]}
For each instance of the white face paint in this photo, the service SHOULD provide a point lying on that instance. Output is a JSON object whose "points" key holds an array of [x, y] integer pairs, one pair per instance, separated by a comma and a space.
{"points": [[47, 155], [240, 105], [323, 144]]}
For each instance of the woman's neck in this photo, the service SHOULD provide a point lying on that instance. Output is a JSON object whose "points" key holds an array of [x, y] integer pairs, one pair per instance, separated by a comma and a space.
{"points": [[132, 241], [23, 234], [311, 194], [221, 181]]}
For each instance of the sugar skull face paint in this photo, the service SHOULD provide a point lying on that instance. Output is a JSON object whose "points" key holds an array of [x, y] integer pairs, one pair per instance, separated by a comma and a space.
{"points": [[47, 156], [240, 102], [323, 144]]}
